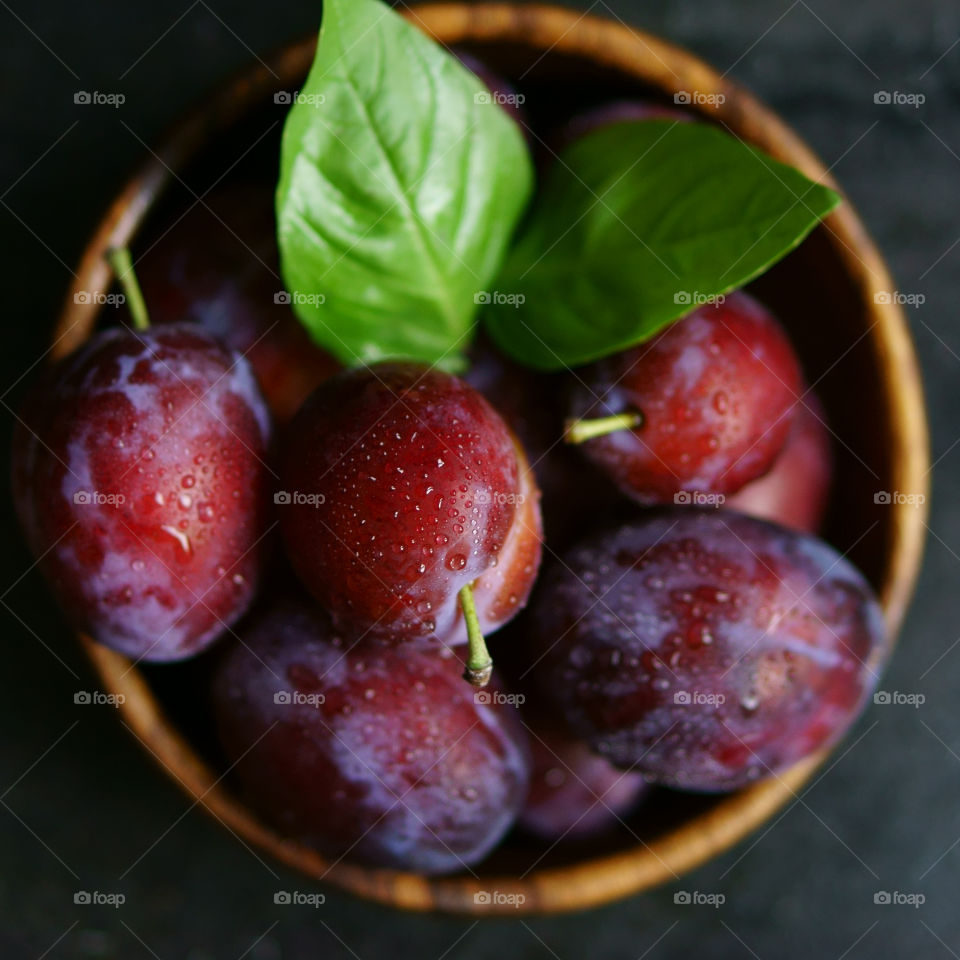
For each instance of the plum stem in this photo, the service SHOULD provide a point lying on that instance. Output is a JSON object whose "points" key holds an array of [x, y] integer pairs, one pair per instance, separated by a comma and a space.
{"points": [[479, 664], [578, 431], [122, 263]]}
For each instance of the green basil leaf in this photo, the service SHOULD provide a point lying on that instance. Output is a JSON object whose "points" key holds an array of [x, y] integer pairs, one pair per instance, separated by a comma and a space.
{"points": [[400, 187], [637, 223]]}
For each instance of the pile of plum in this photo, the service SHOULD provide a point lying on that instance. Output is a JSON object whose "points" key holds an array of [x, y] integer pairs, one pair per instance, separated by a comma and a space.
{"points": [[688, 630]]}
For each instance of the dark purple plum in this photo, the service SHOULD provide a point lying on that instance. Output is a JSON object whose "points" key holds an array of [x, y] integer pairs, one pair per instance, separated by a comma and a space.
{"points": [[706, 649], [218, 266], [574, 493], [574, 793], [381, 755], [141, 483], [528, 401], [795, 491]]}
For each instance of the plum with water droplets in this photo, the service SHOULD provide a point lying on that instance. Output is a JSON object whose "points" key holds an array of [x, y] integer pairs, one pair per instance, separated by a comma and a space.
{"points": [[404, 486], [702, 408], [141, 483], [380, 754], [705, 648]]}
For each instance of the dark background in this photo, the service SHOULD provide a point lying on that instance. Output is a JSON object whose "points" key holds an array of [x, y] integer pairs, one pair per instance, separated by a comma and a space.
{"points": [[80, 804]]}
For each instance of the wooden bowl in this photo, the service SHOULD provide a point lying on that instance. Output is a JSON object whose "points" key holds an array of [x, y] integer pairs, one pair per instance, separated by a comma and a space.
{"points": [[855, 346]]}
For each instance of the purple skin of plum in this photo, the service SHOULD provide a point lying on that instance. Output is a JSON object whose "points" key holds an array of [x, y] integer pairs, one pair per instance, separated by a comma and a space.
{"points": [[794, 493], [705, 648], [140, 482], [381, 755], [217, 266], [574, 793], [530, 404]]}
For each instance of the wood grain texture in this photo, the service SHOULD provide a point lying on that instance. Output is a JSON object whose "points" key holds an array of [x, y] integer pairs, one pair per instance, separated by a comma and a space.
{"points": [[892, 411]]}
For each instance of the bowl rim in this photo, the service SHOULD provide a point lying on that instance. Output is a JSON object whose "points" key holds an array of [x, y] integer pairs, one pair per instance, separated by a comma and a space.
{"points": [[657, 63]]}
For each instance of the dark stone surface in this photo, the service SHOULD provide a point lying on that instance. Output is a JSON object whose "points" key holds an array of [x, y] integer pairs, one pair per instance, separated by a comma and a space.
{"points": [[84, 809]]}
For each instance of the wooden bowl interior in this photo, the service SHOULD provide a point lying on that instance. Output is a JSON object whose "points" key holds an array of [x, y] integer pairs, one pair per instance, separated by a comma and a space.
{"points": [[854, 351]]}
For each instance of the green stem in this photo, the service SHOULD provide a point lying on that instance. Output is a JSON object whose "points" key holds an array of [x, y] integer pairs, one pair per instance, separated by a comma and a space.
{"points": [[479, 664], [122, 263], [578, 431]]}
